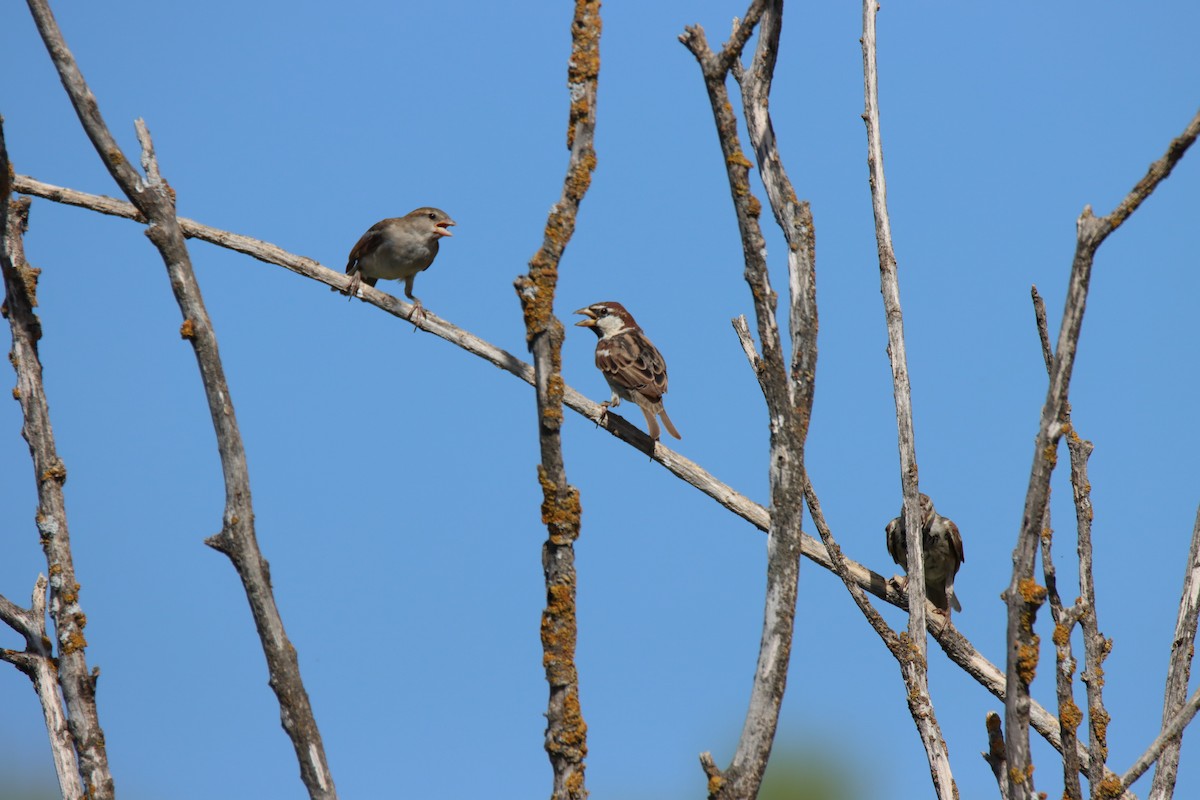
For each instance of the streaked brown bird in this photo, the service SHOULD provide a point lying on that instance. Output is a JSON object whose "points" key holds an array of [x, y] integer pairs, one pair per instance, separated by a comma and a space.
{"points": [[942, 547], [398, 248], [632, 366]]}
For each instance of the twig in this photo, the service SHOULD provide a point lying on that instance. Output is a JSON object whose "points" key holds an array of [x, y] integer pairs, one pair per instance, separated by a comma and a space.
{"points": [[91, 770], [916, 675], [957, 648], [566, 732], [1171, 732], [1179, 669], [788, 393], [154, 199], [995, 753], [1023, 595]]}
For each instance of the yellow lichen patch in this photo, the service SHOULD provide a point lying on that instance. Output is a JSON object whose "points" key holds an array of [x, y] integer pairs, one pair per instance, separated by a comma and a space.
{"points": [[187, 330], [75, 643], [1110, 787], [1027, 660], [1070, 715], [715, 782], [753, 207], [1031, 592], [1061, 635], [56, 471], [1051, 455], [738, 158], [16, 393]]}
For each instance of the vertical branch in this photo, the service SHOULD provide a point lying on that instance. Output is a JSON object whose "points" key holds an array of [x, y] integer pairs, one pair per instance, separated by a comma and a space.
{"points": [[78, 685], [155, 199], [915, 667], [1024, 596], [566, 731], [1065, 619], [37, 662], [1179, 669], [788, 394]]}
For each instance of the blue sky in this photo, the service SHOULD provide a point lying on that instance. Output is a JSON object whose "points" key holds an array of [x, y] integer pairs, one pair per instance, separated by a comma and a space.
{"points": [[394, 475]]}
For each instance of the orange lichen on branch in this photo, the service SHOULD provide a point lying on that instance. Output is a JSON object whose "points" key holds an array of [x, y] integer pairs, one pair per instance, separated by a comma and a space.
{"points": [[187, 330], [1070, 716]]}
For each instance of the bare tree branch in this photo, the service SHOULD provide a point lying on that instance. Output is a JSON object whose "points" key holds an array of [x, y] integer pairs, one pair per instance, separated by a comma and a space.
{"points": [[154, 199], [1023, 595], [91, 774], [915, 667], [37, 662], [995, 753], [1172, 731], [957, 648], [1183, 643], [566, 731], [788, 393]]}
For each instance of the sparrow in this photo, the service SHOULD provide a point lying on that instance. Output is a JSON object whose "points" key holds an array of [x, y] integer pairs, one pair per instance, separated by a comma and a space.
{"points": [[633, 367], [943, 549], [396, 248]]}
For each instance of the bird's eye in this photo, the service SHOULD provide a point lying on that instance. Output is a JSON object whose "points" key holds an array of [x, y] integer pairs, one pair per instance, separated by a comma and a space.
{"points": [[603, 312], [432, 215]]}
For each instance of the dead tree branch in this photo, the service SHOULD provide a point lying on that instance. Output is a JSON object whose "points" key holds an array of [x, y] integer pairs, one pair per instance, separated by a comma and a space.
{"points": [[566, 731], [788, 392], [1024, 596], [154, 199], [89, 761], [914, 667], [37, 662], [1179, 670], [957, 648]]}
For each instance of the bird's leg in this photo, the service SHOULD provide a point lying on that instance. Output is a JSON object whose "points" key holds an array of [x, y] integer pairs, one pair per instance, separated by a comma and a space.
{"points": [[417, 315], [603, 419], [355, 283]]}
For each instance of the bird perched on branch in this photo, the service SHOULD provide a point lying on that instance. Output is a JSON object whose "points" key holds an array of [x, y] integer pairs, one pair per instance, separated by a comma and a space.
{"points": [[633, 367], [396, 248], [942, 547]]}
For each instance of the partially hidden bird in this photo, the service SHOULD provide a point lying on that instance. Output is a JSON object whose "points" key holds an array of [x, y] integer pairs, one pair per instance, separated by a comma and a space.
{"points": [[398, 248], [942, 547], [632, 366]]}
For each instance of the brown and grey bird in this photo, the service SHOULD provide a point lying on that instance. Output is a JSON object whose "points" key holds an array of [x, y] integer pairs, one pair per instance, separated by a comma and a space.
{"points": [[942, 547], [633, 367], [398, 248]]}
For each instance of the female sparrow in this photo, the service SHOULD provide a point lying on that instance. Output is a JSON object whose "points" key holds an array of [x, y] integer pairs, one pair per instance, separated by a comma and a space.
{"points": [[633, 367], [396, 248], [943, 549]]}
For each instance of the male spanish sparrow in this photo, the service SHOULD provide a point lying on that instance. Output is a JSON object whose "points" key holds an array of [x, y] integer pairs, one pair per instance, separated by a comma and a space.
{"points": [[633, 367], [396, 248], [942, 547]]}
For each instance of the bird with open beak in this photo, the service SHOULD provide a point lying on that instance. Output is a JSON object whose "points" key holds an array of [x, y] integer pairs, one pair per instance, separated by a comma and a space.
{"points": [[632, 366], [398, 248]]}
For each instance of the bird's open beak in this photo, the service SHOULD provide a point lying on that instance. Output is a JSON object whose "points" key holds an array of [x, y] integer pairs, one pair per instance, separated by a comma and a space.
{"points": [[443, 228], [585, 323]]}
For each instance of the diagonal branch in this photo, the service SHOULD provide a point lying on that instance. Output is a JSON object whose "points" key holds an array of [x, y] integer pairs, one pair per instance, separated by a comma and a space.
{"points": [[915, 667], [1023, 595], [788, 394], [71, 671], [566, 731], [154, 199], [1179, 669], [957, 648]]}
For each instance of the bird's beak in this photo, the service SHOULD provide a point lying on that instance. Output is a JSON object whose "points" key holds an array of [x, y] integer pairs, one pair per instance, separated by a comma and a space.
{"points": [[585, 323], [443, 228]]}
